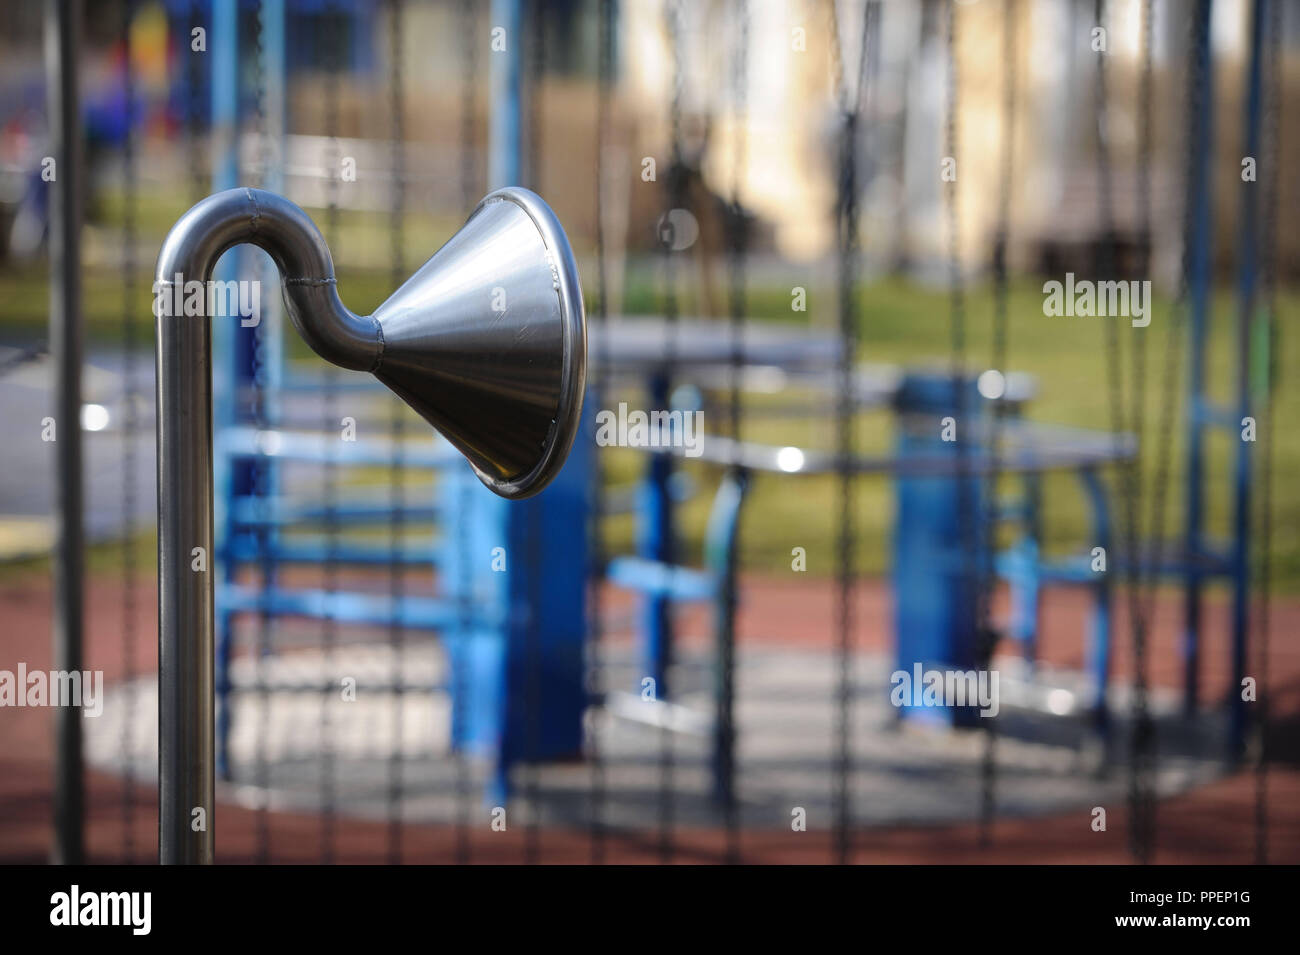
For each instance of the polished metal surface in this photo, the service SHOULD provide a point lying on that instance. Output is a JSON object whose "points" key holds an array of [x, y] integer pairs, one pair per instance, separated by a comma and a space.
{"points": [[486, 341]]}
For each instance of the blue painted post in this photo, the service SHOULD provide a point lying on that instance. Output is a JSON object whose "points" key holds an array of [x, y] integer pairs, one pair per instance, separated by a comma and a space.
{"points": [[236, 346], [1099, 647], [935, 577], [1031, 609], [274, 79], [1200, 244], [505, 148], [521, 653], [1247, 274], [233, 477], [655, 542], [517, 664], [1025, 589]]}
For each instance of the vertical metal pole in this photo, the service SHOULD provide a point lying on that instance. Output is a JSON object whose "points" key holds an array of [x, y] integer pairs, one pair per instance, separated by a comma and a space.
{"points": [[186, 562], [186, 643], [1198, 260], [185, 567], [62, 47], [1247, 271]]}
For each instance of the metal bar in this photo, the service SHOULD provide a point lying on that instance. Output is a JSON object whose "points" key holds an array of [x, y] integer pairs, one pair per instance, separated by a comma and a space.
{"points": [[62, 48], [515, 448], [185, 480]]}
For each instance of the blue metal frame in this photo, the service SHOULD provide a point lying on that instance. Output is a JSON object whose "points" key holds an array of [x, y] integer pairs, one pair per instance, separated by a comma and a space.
{"points": [[529, 614], [515, 638], [934, 571], [664, 584], [656, 539], [935, 581]]}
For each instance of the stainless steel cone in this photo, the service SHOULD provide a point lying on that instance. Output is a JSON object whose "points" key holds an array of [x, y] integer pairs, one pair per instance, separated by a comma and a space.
{"points": [[487, 341]]}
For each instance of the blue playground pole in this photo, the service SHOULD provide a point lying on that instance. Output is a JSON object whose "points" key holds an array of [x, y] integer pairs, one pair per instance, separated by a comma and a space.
{"points": [[516, 654], [236, 345], [232, 477], [1201, 412], [655, 542], [935, 576], [517, 651], [505, 144]]}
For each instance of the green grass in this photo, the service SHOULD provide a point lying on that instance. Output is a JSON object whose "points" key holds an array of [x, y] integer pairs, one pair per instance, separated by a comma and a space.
{"points": [[901, 323]]}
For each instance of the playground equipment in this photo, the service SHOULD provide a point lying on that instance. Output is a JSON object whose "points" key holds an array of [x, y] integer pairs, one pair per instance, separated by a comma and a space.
{"points": [[944, 568], [504, 387], [513, 636]]}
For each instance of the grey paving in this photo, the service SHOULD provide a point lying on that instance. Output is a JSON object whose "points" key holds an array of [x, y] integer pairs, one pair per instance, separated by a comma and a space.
{"points": [[786, 755]]}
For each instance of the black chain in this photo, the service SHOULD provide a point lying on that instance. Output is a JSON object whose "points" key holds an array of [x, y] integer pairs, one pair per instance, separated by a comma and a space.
{"points": [[333, 63], [1268, 304], [461, 676], [1142, 836], [987, 634], [850, 102], [397, 430], [738, 241], [130, 429], [198, 158], [537, 62], [532, 525], [967, 498], [595, 607], [469, 105], [1141, 755], [675, 186], [1105, 267], [261, 472]]}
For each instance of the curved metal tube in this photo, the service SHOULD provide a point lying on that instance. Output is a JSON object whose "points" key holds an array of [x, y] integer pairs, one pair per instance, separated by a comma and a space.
{"points": [[287, 234], [184, 395]]}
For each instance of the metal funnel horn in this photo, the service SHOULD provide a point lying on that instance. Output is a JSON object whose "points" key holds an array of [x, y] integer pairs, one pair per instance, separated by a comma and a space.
{"points": [[487, 342]]}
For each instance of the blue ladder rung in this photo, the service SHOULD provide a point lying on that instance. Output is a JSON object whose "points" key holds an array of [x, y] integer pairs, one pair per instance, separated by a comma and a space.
{"points": [[1013, 507], [315, 447], [317, 549], [1071, 569], [1211, 560], [627, 499], [1218, 415], [304, 380], [281, 511], [658, 579], [423, 613]]}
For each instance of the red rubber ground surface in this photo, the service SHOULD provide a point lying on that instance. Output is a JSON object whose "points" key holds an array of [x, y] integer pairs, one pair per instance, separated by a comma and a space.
{"points": [[1213, 824]]}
